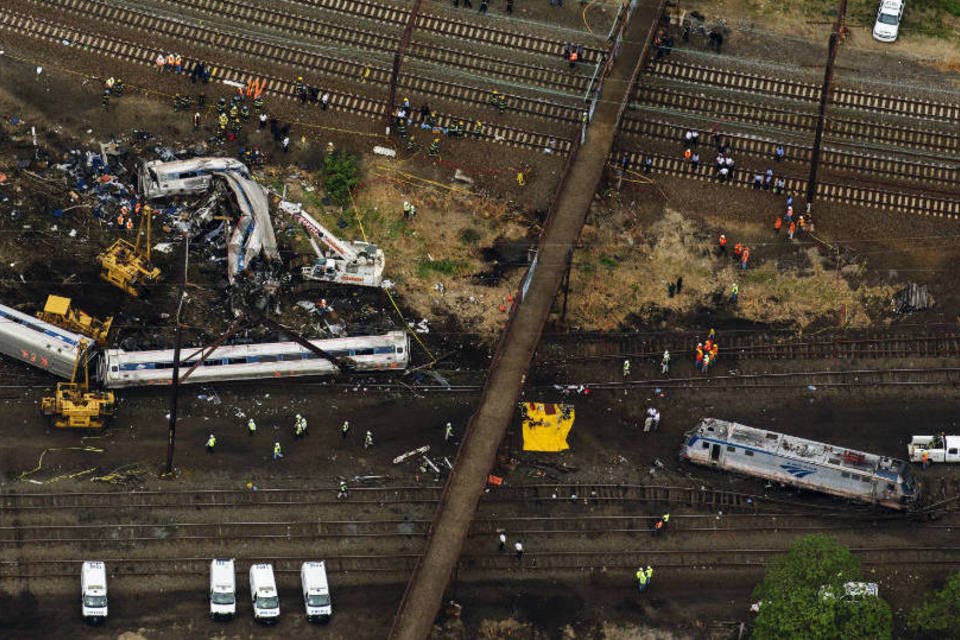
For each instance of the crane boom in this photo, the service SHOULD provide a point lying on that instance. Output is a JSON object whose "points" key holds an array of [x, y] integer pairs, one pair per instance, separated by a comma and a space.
{"points": [[347, 262]]}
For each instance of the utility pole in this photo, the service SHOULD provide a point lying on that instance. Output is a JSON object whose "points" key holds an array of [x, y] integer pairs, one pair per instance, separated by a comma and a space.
{"points": [[398, 59], [175, 383], [824, 98]]}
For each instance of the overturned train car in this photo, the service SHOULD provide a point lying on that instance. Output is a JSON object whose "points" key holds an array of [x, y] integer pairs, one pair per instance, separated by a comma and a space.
{"points": [[38, 343], [802, 463]]}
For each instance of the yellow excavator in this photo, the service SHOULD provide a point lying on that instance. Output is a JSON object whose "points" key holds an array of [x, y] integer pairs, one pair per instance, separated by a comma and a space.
{"points": [[73, 405], [58, 311], [127, 265]]}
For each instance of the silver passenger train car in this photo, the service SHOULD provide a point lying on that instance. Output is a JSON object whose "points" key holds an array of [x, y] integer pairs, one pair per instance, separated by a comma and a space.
{"points": [[159, 179], [39, 343], [802, 463], [119, 368]]}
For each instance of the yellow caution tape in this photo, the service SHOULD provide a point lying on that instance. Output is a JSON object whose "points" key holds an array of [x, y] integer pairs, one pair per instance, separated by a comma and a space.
{"points": [[39, 466]]}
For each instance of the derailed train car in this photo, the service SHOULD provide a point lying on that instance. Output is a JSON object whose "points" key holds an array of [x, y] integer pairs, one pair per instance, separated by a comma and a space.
{"points": [[802, 463], [39, 343], [119, 368]]}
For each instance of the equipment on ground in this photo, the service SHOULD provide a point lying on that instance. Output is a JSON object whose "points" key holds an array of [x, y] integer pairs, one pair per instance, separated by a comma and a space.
{"points": [[57, 311], [355, 262], [127, 265], [73, 405]]}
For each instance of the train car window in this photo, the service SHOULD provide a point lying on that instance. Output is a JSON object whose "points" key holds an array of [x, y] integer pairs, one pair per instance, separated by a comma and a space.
{"points": [[114, 368], [844, 474], [890, 487], [772, 436], [730, 448], [706, 445], [399, 349], [747, 452], [866, 479], [834, 460]]}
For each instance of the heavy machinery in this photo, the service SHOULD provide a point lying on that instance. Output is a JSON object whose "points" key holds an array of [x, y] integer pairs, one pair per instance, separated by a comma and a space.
{"points": [[73, 405], [57, 311], [355, 262], [127, 265]]}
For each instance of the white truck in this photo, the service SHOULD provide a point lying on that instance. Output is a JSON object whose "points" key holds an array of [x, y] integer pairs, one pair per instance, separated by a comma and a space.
{"points": [[355, 262], [263, 593], [223, 589], [316, 591], [93, 591], [939, 448]]}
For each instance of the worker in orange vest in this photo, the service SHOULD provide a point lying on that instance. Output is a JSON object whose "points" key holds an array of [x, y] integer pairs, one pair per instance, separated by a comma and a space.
{"points": [[171, 60], [737, 250], [723, 245], [792, 229], [777, 223], [745, 258]]}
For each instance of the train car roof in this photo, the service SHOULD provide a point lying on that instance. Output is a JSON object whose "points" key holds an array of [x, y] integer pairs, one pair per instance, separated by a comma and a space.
{"points": [[259, 348], [206, 162], [800, 448]]}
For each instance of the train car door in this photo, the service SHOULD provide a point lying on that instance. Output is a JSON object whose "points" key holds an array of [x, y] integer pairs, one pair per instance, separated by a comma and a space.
{"points": [[715, 453]]}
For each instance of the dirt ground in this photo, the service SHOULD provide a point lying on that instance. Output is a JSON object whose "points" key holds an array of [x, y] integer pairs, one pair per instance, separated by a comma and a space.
{"points": [[636, 241]]}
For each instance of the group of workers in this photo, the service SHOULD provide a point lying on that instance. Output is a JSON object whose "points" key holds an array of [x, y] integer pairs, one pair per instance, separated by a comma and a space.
{"points": [[300, 430], [517, 546], [795, 225], [741, 252], [644, 576], [707, 352], [429, 120]]}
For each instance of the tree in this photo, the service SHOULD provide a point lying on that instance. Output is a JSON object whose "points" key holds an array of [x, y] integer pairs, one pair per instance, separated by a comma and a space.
{"points": [[939, 615], [803, 596], [341, 174]]}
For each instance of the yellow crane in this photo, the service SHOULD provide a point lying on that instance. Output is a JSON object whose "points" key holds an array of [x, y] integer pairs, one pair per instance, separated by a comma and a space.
{"points": [[73, 405], [127, 265], [57, 311]]}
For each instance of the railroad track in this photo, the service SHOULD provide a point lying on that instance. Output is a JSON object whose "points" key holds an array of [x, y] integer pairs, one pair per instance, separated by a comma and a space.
{"points": [[699, 74], [476, 565], [299, 60], [879, 168], [485, 527], [354, 104], [913, 203], [388, 13], [306, 26], [748, 347], [781, 114], [796, 380], [17, 502]]}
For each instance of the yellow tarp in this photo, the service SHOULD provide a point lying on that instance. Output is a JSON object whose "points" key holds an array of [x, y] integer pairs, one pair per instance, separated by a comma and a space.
{"points": [[546, 425]]}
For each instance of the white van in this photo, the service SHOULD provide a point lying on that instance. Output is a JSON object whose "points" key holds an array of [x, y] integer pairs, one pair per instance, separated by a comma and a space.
{"points": [[223, 589], [263, 593], [316, 591], [93, 591]]}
